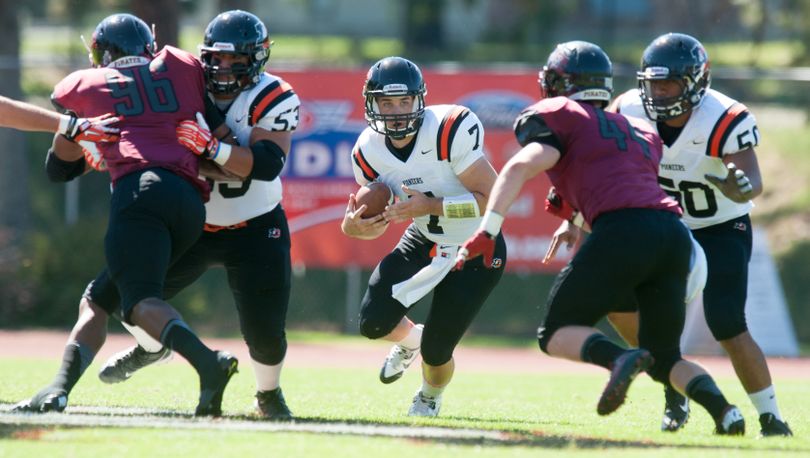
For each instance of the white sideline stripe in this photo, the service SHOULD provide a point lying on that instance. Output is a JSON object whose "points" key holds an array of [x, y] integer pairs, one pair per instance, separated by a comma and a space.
{"points": [[146, 418]]}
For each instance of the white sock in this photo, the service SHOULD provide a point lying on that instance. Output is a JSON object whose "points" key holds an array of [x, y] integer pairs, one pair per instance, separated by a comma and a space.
{"points": [[414, 338], [765, 402], [430, 390], [267, 377]]}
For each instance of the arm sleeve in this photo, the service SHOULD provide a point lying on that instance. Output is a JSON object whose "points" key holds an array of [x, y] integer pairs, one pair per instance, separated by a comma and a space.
{"points": [[60, 171]]}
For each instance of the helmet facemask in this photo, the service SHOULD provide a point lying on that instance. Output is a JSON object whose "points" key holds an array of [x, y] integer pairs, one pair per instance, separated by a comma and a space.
{"points": [[693, 88], [387, 124]]}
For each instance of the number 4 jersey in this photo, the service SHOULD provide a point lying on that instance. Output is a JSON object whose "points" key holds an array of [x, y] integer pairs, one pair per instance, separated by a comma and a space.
{"points": [[719, 126], [153, 96], [271, 105], [449, 140]]}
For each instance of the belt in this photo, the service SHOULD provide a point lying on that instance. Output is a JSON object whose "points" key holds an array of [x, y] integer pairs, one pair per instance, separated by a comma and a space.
{"points": [[215, 228]]}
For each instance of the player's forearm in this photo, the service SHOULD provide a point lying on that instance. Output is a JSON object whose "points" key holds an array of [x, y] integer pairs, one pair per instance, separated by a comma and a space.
{"points": [[24, 116]]}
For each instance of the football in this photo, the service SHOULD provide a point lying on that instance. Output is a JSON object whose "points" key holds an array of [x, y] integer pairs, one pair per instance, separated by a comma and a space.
{"points": [[375, 196]]}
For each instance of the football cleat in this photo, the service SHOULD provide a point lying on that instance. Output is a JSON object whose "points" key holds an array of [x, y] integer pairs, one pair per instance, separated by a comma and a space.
{"points": [[624, 371], [676, 410], [731, 423], [272, 406], [771, 426], [211, 391], [48, 400], [398, 359], [121, 366], [425, 406]]}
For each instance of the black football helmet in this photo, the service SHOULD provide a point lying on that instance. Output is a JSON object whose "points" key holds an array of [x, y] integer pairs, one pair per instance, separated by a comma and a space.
{"points": [[674, 56], [118, 36], [394, 77], [240, 33], [578, 70]]}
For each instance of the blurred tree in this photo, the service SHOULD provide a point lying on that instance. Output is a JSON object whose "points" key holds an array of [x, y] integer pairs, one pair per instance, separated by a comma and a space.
{"points": [[795, 17], [423, 32], [164, 14], [227, 5], [14, 200]]}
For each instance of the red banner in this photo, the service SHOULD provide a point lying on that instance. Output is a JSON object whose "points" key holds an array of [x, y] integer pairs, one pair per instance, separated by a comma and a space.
{"points": [[318, 177]]}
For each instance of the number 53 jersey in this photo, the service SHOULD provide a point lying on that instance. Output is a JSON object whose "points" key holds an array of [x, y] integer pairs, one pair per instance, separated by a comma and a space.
{"points": [[719, 126], [153, 96], [449, 140]]}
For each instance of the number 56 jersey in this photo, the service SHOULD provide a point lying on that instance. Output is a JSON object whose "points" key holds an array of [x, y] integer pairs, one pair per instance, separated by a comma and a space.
{"points": [[719, 126], [449, 140]]}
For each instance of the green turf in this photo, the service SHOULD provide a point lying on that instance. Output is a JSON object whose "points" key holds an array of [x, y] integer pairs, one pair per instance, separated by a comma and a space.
{"points": [[552, 414]]}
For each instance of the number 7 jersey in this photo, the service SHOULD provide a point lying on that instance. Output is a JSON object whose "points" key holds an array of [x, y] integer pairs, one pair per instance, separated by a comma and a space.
{"points": [[449, 140], [719, 126]]}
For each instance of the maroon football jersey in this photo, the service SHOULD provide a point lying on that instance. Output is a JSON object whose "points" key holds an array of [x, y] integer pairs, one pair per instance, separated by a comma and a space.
{"points": [[609, 161], [153, 96]]}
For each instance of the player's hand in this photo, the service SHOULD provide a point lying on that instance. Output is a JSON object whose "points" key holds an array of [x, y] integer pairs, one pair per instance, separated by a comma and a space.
{"points": [[735, 185], [567, 233], [92, 156], [354, 225], [417, 204], [557, 206], [93, 130], [197, 137], [482, 243]]}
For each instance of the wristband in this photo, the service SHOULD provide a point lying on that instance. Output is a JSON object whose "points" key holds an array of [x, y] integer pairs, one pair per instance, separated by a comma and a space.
{"points": [[463, 206], [66, 124], [491, 223], [222, 154]]}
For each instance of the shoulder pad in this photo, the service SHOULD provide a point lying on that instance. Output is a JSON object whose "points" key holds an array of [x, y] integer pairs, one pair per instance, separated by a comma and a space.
{"points": [[530, 126]]}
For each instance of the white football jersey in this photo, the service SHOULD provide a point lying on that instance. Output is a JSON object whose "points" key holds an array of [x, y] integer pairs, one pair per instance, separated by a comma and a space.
{"points": [[272, 105], [449, 140], [719, 126]]}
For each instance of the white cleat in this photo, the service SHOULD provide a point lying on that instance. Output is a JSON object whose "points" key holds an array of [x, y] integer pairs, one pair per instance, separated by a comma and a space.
{"points": [[425, 406], [398, 359]]}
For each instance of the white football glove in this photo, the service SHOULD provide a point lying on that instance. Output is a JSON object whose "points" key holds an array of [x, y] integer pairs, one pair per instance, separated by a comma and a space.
{"points": [[735, 185]]}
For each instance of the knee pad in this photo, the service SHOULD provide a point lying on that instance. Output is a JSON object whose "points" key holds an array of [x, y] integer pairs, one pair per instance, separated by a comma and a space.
{"points": [[436, 353], [663, 365], [723, 323], [544, 334], [268, 349], [375, 328]]}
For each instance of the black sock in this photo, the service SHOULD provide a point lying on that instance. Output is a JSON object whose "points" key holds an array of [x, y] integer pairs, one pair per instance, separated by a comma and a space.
{"points": [[177, 336], [599, 350], [705, 392], [74, 361]]}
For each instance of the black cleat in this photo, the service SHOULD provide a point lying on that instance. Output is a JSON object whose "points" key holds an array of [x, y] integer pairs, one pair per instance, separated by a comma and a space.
{"points": [[48, 400], [731, 423], [625, 369], [771, 426], [122, 365], [676, 410], [211, 391], [272, 406]]}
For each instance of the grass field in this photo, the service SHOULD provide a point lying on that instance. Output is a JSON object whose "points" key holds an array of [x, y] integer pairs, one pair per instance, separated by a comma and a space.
{"points": [[347, 412]]}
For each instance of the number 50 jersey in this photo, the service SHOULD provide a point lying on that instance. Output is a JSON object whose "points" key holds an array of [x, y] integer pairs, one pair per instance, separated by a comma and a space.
{"points": [[720, 126], [271, 105], [449, 140]]}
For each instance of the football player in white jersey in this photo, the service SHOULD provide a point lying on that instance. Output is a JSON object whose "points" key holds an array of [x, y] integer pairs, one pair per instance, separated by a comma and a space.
{"points": [[432, 159], [246, 228], [710, 167]]}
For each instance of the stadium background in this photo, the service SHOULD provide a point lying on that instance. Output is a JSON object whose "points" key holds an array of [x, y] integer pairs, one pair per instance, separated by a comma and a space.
{"points": [[481, 53]]}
